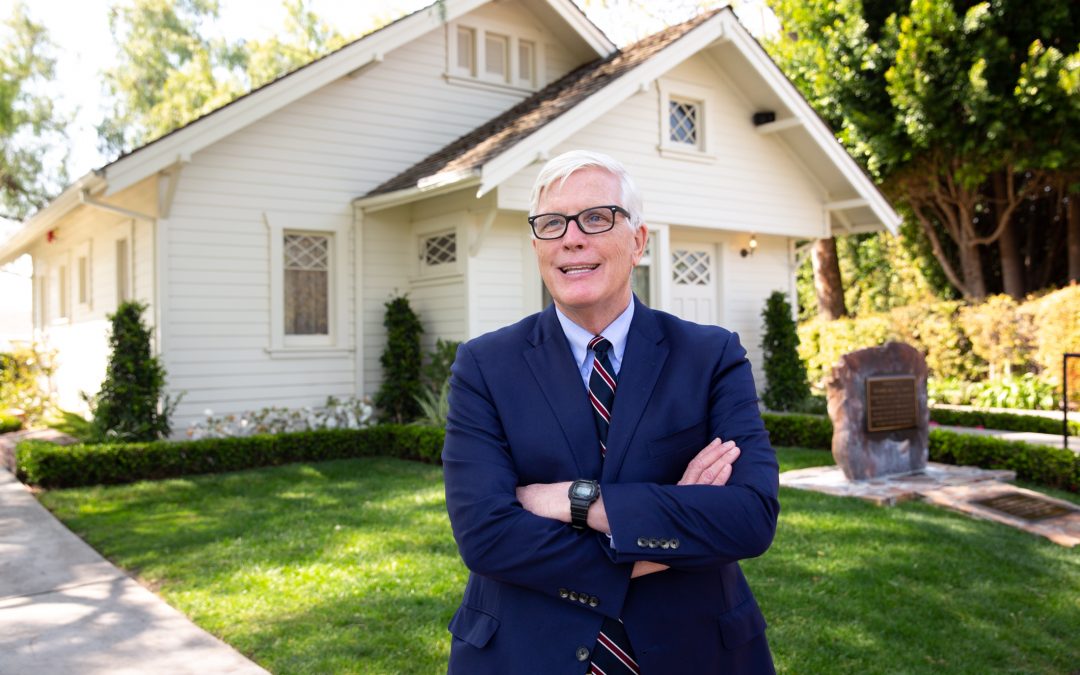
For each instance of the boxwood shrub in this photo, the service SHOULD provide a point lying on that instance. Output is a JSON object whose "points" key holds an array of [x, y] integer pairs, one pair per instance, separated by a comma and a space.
{"points": [[1002, 420], [9, 423], [53, 466]]}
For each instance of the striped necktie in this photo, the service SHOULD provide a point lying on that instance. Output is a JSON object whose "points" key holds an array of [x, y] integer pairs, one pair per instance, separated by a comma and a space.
{"points": [[612, 654]]}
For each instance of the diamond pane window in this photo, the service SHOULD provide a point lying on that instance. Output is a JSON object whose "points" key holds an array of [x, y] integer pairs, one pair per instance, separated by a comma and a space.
{"points": [[684, 121], [307, 284], [691, 268], [440, 249]]}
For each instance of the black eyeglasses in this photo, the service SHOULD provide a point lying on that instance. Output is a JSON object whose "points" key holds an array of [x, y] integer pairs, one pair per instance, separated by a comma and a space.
{"points": [[593, 220]]}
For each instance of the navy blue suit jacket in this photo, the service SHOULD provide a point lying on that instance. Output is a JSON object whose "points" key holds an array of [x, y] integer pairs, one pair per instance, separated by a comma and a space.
{"points": [[538, 589]]}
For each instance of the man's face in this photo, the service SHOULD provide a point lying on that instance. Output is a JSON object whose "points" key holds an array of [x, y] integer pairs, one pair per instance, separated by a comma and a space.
{"points": [[588, 275]]}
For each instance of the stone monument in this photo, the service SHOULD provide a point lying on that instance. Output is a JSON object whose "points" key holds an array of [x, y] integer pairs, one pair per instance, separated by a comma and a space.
{"points": [[877, 403]]}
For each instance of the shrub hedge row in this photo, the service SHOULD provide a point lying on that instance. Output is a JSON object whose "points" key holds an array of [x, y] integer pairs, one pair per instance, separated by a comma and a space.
{"points": [[9, 423], [54, 466], [1000, 420], [1046, 465]]}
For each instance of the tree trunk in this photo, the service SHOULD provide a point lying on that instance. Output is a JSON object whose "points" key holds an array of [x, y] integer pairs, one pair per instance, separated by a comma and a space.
{"points": [[1074, 237], [971, 267], [827, 282], [1012, 272]]}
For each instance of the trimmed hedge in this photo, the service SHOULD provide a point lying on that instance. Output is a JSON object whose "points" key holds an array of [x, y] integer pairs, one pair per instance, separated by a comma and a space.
{"points": [[9, 423], [53, 466], [1003, 421]]}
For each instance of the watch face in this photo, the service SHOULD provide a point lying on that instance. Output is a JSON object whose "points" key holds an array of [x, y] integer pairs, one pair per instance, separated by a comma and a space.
{"points": [[583, 490]]}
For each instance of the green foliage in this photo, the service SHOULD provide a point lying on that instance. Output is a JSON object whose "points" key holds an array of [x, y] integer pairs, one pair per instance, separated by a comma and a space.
{"points": [[32, 140], [50, 465], [1000, 334], [1001, 420], [1024, 392], [434, 407], [1053, 467], [132, 404], [396, 398], [168, 73], [25, 374], [1056, 317], [9, 423], [785, 373], [803, 431], [72, 424], [434, 398], [822, 343]]}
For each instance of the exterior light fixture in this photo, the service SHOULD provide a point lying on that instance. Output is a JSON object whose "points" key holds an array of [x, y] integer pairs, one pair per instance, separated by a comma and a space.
{"points": [[750, 248]]}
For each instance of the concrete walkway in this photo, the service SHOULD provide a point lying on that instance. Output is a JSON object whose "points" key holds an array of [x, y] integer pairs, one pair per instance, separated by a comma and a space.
{"points": [[66, 610]]}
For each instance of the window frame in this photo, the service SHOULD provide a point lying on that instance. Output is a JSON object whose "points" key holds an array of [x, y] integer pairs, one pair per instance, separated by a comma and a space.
{"points": [[124, 277], [280, 344], [681, 92], [477, 76], [426, 270], [83, 276]]}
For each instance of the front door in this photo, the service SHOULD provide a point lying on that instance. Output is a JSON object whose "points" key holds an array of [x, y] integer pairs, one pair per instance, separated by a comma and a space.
{"points": [[693, 281]]}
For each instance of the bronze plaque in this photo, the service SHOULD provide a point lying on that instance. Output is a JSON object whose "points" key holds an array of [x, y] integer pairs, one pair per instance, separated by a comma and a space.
{"points": [[891, 403], [1024, 506]]}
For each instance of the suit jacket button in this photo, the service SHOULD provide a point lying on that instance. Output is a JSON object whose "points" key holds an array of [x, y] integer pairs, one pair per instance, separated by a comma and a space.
{"points": [[653, 543], [674, 543], [665, 543], [594, 601], [563, 593], [642, 542], [573, 595], [582, 653], [583, 598]]}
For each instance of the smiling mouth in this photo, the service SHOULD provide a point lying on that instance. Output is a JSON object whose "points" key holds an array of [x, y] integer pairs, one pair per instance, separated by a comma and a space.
{"points": [[578, 269]]}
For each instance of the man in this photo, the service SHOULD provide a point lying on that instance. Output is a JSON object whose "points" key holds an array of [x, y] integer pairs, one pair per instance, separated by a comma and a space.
{"points": [[637, 571]]}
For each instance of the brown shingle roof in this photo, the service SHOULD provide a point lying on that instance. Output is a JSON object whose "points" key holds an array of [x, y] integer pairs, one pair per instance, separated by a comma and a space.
{"points": [[474, 149]]}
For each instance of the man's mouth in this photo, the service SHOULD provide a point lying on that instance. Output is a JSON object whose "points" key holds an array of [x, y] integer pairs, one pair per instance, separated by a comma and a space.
{"points": [[577, 269]]}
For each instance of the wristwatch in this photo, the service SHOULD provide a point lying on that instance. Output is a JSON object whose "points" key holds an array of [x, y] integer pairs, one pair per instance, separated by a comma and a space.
{"points": [[582, 494]]}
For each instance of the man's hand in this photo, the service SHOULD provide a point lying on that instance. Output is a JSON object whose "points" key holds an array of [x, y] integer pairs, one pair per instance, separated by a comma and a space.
{"points": [[711, 466]]}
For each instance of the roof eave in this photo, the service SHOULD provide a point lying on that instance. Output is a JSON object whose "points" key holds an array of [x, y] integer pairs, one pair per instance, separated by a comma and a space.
{"points": [[41, 222], [432, 186]]}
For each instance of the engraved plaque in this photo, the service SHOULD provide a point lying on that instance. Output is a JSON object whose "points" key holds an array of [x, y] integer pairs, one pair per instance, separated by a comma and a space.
{"points": [[1024, 506], [891, 403]]}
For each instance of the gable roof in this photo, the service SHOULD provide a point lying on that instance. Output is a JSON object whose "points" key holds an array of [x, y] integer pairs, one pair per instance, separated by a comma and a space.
{"points": [[178, 145], [470, 152], [511, 141]]}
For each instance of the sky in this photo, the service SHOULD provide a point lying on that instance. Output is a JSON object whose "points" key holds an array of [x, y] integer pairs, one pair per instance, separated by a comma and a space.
{"points": [[80, 31]]}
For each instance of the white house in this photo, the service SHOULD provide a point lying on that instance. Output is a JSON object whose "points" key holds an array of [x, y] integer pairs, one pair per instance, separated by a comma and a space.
{"points": [[16, 315], [267, 236]]}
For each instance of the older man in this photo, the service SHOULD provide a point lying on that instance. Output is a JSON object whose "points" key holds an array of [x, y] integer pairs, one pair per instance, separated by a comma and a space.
{"points": [[599, 512]]}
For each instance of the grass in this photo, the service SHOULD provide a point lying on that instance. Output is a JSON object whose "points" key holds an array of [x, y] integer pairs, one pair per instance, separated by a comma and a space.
{"points": [[349, 567]]}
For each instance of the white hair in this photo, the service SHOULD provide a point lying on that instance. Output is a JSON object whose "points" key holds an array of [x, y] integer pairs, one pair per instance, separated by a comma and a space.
{"points": [[558, 169]]}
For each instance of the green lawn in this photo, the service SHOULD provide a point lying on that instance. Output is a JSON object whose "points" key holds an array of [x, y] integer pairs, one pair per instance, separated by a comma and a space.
{"points": [[349, 566]]}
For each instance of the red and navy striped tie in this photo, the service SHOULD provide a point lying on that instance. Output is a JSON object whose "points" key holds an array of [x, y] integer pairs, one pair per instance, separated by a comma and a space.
{"points": [[612, 654]]}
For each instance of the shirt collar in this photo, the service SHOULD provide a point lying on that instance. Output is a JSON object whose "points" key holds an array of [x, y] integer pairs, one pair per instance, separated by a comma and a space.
{"points": [[615, 333]]}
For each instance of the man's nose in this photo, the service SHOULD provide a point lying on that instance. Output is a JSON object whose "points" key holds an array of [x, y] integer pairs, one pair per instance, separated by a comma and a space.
{"points": [[574, 237]]}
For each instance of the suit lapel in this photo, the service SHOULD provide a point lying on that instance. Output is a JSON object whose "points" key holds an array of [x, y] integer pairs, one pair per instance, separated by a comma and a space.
{"points": [[642, 363], [552, 365]]}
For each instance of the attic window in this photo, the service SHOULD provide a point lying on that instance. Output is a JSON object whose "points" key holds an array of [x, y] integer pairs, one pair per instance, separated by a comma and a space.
{"points": [[497, 57], [684, 118]]}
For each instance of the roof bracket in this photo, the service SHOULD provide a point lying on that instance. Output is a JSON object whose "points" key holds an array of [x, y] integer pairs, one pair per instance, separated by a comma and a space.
{"points": [[85, 198], [485, 227]]}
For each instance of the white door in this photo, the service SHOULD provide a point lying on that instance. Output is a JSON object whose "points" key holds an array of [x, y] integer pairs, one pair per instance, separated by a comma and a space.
{"points": [[693, 281]]}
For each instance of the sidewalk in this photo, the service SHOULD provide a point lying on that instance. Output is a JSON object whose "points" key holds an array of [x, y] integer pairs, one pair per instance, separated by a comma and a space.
{"points": [[66, 610]]}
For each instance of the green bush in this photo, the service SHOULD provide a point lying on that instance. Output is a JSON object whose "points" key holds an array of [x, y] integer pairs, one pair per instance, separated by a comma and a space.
{"points": [[9, 423], [24, 381], [1056, 317], [396, 398], [803, 431], [822, 343], [131, 405], [1024, 392], [1053, 467], [54, 466], [785, 375], [1003, 421]]}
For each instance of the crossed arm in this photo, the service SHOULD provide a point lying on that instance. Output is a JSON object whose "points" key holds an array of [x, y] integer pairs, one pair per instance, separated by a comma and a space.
{"points": [[711, 466]]}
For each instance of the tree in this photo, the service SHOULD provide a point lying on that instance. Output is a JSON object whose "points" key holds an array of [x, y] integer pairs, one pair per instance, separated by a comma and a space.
{"points": [[132, 404], [169, 73], [401, 386], [785, 374], [31, 129], [962, 110], [827, 279]]}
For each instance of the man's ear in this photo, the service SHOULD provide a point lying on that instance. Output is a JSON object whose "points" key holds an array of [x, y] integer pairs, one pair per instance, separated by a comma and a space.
{"points": [[641, 239]]}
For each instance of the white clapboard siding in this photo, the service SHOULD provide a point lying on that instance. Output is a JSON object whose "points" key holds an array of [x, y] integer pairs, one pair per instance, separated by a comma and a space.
{"points": [[497, 276]]}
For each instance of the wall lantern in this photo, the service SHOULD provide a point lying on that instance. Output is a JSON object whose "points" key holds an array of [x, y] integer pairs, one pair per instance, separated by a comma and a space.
{"points": [[750, 247]]}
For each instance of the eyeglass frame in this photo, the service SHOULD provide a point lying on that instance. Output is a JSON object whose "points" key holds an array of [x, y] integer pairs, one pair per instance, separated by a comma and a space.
{"points": [[615, 210]]}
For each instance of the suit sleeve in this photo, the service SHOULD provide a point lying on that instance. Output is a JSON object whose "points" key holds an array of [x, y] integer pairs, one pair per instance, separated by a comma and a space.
{"points": [[705, 526], [495, 535]]}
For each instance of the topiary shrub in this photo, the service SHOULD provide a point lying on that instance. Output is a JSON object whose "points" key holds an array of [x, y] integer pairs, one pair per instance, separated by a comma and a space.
{"points": [[132, 404], [785, 375], [400, 360]]}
